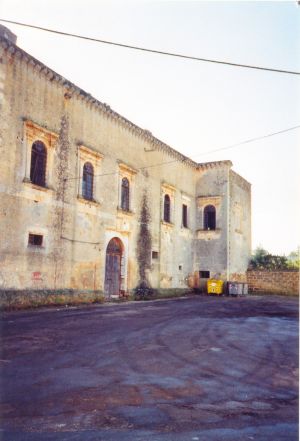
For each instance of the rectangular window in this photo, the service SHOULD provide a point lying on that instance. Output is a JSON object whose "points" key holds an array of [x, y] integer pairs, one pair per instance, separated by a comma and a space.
{"points": [[184, 216], [35, 240], [204, 274], [154, 254]]}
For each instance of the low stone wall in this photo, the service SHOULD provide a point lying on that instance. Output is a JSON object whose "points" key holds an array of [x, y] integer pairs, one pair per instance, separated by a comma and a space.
{"points": [[274, 282]]}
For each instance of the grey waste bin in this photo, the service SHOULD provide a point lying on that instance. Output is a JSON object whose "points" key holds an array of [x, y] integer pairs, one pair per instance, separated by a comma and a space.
{"points": [[237, 289]]}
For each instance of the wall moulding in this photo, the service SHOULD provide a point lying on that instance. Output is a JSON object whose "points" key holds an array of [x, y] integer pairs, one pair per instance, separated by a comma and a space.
{"points": [[202, 201], [209, 234], [34, 131]]}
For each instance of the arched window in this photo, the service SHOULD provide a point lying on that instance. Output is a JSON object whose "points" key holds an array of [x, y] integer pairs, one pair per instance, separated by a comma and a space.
{"points": [[38, 163], [167, 208], [125, 194], [209, 217], [87, 181]]}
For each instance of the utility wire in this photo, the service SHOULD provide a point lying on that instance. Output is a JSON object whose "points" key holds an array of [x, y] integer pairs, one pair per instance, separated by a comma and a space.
{"points": [[200, 154], [249, 140], [154, 51]]}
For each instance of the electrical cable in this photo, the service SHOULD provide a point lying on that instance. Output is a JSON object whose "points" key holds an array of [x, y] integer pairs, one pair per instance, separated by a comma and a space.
{"points": [[154, 51]]}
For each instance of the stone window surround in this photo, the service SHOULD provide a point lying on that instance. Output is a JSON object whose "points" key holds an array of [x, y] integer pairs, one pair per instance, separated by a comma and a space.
{"points": [[170, 190], [202, 202], [40, 231], [33, 133], [87, 154], [186, 200], [126, 171]]}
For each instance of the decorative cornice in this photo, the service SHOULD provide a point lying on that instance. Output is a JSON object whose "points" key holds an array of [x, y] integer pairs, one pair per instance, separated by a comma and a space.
{"points": [[168, 187], [207, 165], [127, 168], [88, 151], [206, 200]]}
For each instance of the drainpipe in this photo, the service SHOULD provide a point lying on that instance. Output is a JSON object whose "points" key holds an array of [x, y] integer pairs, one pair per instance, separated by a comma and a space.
{"points": [[228, 227], [160, 219]]}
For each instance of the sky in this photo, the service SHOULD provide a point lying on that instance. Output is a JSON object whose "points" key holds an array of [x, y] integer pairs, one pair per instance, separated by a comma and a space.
{"points": [[195, 107]]}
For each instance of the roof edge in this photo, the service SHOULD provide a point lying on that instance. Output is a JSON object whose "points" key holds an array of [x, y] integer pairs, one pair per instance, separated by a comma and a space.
{"points": [[50, 74]]}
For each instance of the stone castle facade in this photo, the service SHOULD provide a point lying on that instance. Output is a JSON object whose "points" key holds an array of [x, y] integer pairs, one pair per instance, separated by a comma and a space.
{"points": [[81, 187]]}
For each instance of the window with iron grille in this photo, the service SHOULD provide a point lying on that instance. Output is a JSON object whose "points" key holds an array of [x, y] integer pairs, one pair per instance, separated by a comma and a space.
{"points": [[87, 181], [167, 208], [38, 164], [125, 194], [209, 217], [35, 240], [184, 216], [204, 274]]}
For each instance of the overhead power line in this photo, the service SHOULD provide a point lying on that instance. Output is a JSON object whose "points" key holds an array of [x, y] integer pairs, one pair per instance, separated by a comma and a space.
{"points": [[154, 51], [249, 140], [201, 154]]}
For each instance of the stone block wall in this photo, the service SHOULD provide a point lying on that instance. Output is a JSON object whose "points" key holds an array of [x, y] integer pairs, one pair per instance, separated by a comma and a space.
{"points": [[274, 282]]}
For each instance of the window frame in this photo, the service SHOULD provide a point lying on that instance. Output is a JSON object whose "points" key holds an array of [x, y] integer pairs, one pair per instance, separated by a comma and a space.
{"points": [[38, 164], [34, 133], [87, 155], [209, 218], [128, 173], [184, 219], [170, 190], [31, 240], [87, 189], [167, 208], [125, 194]]}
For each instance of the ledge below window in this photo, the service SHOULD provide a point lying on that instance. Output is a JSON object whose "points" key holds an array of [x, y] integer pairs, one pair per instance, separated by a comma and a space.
{"points": [[30, 184], [88, 201], [125, 212], [209, 234], [167, 224]]}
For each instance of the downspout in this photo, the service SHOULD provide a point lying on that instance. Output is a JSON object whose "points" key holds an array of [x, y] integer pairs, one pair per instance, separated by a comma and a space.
{"points": [[228, 227], [160, 220]]}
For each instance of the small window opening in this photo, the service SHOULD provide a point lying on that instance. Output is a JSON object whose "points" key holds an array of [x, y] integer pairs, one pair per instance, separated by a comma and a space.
{"points": [[180, 267], [204, 274], [154, 254], [184, 216], [209, 217], [125, 194], [167, 208], [35, 240], [87, 181], [38, 164]]}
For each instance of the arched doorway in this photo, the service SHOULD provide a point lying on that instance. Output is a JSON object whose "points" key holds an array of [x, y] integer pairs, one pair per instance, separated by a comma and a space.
{"points": [[113, 264]]}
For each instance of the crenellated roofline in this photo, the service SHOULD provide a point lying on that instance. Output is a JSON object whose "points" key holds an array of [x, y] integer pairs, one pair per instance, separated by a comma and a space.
{"points": [[72, 90]]}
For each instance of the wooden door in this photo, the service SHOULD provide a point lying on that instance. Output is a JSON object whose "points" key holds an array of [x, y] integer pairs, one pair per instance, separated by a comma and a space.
{"points": [[113, 267]]}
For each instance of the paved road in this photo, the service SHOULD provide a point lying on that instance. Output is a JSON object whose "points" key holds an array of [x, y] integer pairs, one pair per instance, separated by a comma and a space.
{"points": [[199, 369]]}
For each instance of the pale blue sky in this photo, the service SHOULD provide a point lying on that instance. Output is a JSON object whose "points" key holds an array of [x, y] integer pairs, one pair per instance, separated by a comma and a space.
{"points": [[192, 106]]}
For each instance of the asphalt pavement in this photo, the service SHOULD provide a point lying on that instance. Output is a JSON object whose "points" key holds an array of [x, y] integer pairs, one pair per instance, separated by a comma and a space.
{"points": [[198, 369]]}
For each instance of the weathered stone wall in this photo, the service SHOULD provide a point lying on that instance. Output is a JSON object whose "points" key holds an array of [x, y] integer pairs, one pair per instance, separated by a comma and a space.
{"points": [[239, 247], [274, 282], [38, 104], [211, 245]]}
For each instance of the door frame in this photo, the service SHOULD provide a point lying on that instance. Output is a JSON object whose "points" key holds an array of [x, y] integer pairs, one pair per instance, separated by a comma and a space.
{"points": [[111, 234]]}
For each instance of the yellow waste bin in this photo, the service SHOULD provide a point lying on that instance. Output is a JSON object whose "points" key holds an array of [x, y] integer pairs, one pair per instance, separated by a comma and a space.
{"points": [[215, 286]]}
